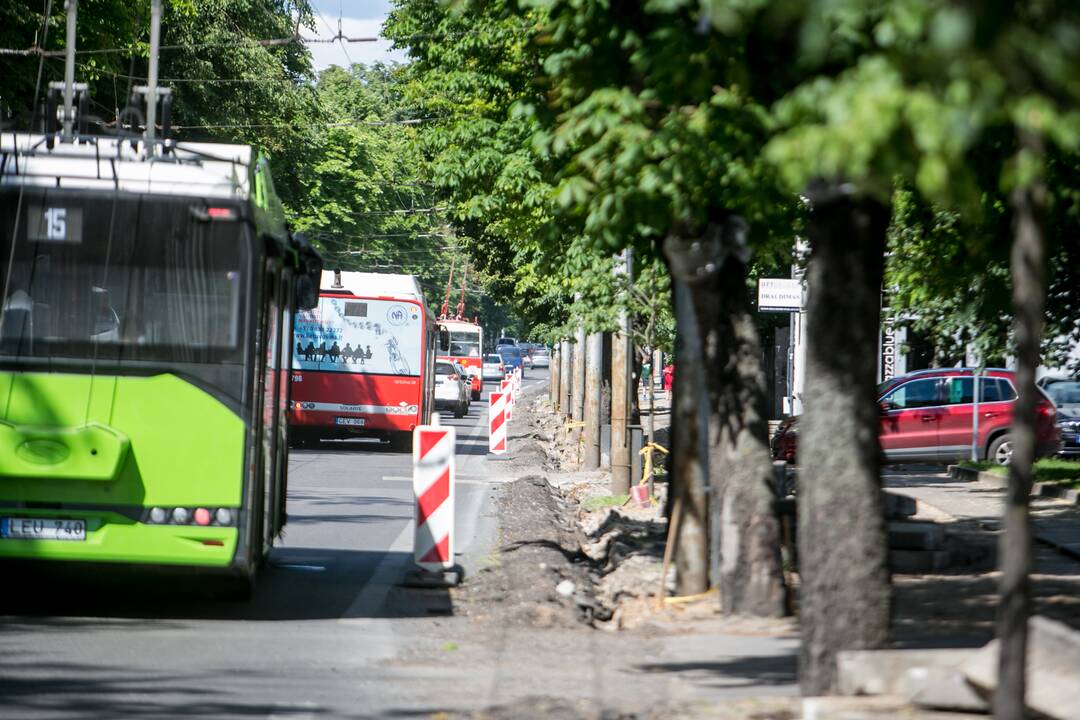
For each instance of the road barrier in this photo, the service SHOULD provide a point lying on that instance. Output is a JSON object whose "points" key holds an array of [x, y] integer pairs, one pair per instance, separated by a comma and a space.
{"points": [[497, 422], [506, 387], [433, 486]]}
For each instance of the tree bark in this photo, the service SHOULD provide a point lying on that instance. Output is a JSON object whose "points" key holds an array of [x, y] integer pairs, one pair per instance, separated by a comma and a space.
{"points": [[720, 440], [843, 557], [1028, 263], [751, 577]]}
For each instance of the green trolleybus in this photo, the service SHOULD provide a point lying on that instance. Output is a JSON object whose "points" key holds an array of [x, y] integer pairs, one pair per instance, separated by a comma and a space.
{"points": [[145, 336]]}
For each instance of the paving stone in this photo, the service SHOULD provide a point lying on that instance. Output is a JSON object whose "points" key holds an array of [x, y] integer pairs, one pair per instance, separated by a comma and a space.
{"points": [[873, 708], [1053, 670], [881, 672], [916, 536], [898, 506], [940, 688]]}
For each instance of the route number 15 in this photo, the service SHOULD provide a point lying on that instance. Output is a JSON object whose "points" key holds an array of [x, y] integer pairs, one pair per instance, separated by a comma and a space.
{"points": [[55, 223]]}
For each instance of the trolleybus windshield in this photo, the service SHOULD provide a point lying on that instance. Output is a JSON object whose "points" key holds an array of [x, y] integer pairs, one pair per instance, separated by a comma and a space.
{"points": [[376, 337], [121, 279], [465, 343]]}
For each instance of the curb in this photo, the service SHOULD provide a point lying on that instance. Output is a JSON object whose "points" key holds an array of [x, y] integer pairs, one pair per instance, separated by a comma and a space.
{"points": [[1039, 489], [1053, 490]]}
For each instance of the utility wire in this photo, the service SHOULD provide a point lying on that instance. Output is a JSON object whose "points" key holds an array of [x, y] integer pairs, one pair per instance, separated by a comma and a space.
{"points": [[239, 44]]}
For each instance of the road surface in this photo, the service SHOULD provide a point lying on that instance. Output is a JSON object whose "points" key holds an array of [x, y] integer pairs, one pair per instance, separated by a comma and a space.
{"points": [[325, 616]]}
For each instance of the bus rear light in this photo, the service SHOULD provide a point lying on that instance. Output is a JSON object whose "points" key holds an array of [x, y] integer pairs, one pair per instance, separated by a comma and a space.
{"points": [[221, 213], [189, 516]]}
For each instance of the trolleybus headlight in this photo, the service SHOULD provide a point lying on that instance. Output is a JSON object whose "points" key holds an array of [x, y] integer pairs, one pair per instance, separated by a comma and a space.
{"points": [[157, 515], [202, 516], [223, 516], [180, 515]]}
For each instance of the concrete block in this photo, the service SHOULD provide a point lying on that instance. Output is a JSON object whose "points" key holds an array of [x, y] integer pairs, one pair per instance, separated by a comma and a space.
{"points": [[1053, 669], [940, 688], [881, 672], [898, 506], [916, 536], [919, 561]]}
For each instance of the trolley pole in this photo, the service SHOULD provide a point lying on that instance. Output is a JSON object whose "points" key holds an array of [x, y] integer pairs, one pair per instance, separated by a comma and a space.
{"points": [[579, 380], [555, 372], [593, 369], [566, 393], [621, 387], [152, 75], [72, 7]]}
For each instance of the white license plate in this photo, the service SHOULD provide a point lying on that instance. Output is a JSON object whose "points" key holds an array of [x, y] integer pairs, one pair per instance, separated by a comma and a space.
{"points": [[350, 421], [16, 528]]}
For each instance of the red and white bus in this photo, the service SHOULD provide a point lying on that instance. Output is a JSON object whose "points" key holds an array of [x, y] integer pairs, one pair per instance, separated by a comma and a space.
{"points": [[462, 341], [363, 363]]}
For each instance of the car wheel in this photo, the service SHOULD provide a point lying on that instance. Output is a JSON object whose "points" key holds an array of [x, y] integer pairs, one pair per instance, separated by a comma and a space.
{"points": [[1001, 450]]}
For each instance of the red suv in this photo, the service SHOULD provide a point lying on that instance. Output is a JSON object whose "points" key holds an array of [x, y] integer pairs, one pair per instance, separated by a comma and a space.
{"points": [[926, 416]]}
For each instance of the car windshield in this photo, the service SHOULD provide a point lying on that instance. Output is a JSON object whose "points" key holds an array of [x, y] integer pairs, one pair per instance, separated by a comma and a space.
{"points": [[492, 359]]}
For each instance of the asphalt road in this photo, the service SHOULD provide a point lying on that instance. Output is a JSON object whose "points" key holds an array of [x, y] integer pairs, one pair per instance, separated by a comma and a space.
{"points": [[327, 610]]}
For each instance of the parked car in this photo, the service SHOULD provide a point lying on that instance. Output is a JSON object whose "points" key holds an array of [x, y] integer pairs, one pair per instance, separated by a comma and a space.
{"points": [[927, 416], [541, 357], [511, 357], [1065, 394], [493, 367], [451, 390]]}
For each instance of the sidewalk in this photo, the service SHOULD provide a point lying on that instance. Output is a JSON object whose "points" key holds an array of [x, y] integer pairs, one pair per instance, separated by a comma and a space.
{"points": [[1054, 522]]}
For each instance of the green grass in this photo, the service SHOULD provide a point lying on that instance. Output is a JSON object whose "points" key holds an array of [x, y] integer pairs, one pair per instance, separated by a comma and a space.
{"points": [[1047, 470], [595, 502]]}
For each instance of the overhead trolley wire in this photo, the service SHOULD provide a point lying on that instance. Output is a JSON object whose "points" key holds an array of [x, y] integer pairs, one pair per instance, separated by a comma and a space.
{"points": [[238, 44]]}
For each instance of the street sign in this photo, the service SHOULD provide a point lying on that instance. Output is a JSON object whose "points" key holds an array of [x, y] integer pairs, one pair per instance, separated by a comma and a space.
{"points": [[779, 295]]}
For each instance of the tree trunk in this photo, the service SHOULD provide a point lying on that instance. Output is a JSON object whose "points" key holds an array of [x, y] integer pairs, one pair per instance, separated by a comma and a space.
{"points": [[720, 439], [689, 433], [1028, 296], [843, 557], [751, 577]]}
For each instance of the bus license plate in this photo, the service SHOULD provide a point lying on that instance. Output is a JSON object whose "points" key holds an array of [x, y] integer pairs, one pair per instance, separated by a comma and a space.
{"points": [[16, 528], [350, 421]]}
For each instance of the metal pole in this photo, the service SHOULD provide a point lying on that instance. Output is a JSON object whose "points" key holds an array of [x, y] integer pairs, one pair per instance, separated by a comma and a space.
{"points": [[69, 73], [579, 380], [621, 387], [152, 75], [593, 369], [566, 382], [975, 416], [556, 372]]}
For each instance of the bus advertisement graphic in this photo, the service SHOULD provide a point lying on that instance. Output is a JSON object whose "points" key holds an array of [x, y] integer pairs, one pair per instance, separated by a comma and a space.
{"points": [[379, 337]]}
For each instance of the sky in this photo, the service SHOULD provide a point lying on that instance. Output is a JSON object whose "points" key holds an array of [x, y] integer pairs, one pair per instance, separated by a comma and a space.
{"points": [[359, 18]]}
